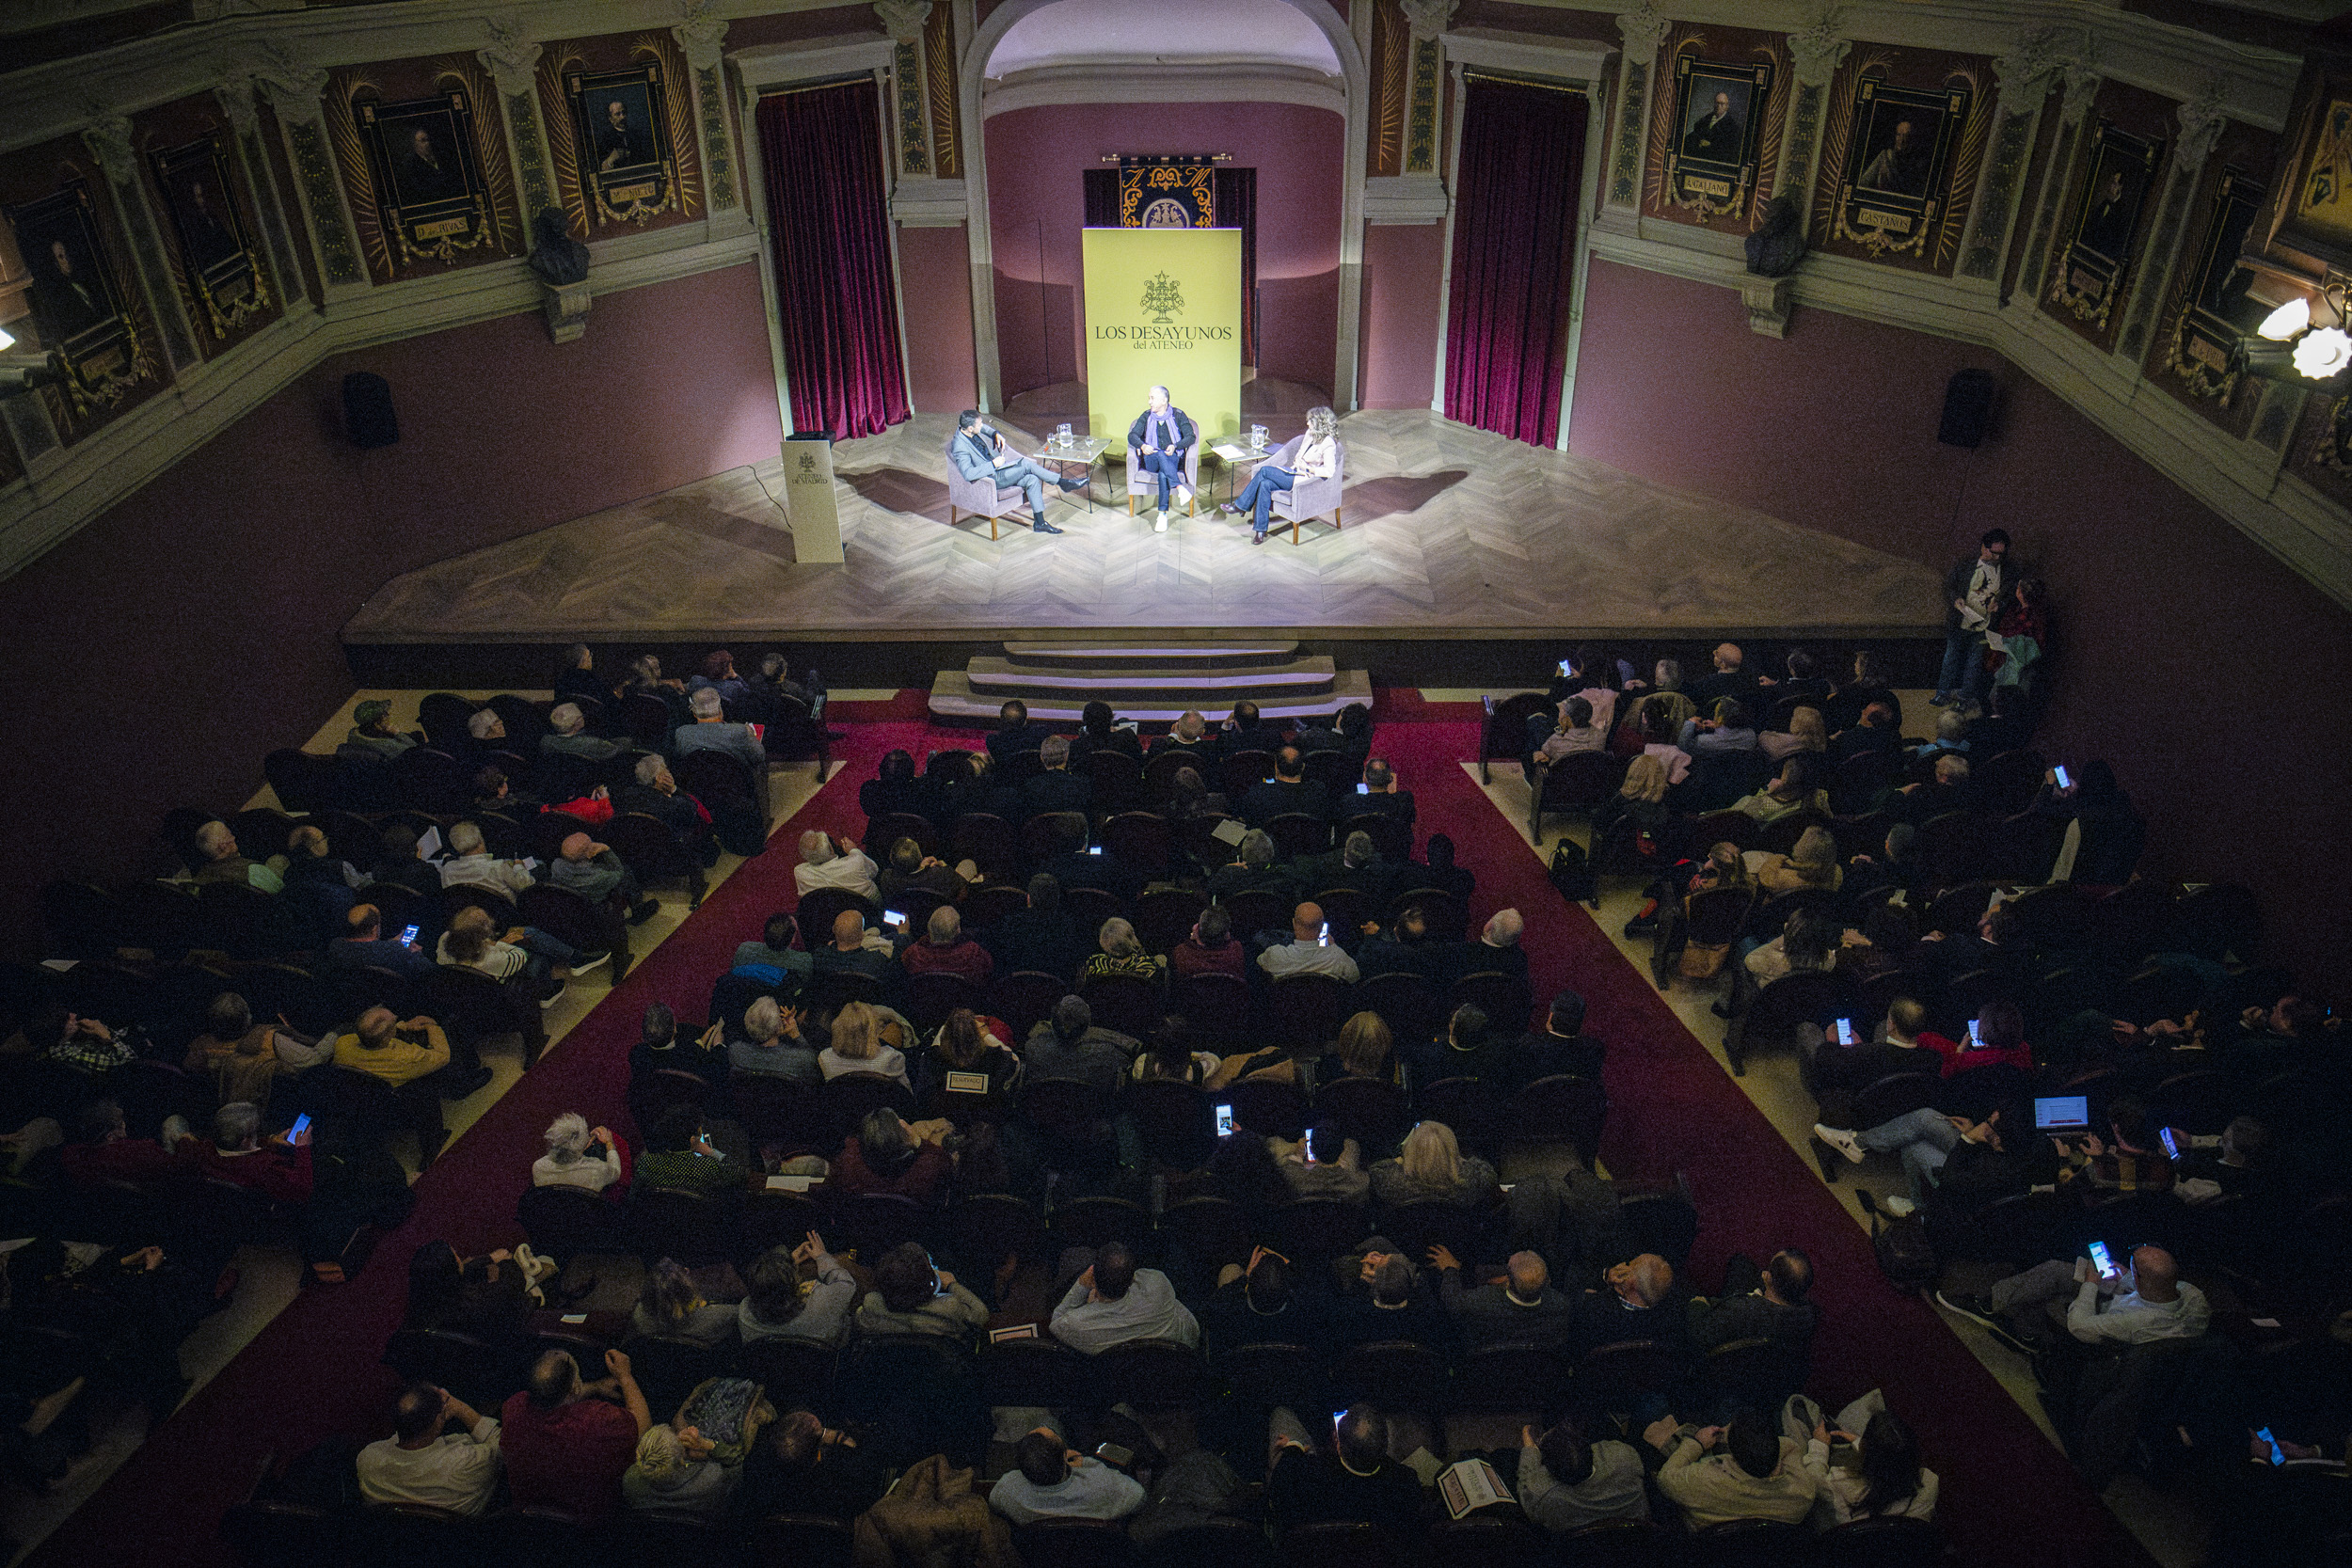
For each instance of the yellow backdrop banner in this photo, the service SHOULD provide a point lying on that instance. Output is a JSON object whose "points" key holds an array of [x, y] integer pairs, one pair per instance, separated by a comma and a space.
{"points": [[1164, 309]]}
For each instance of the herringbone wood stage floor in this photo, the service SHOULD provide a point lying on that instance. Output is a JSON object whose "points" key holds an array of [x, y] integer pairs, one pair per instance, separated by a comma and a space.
{"points": [[1450, 532]]}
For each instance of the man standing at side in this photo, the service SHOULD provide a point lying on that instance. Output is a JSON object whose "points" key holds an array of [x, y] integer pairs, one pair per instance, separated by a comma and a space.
{"points": [[1973, 591]]}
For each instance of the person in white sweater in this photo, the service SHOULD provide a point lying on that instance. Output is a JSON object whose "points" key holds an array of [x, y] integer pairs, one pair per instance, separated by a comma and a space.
{"points": [[578, 1155]]}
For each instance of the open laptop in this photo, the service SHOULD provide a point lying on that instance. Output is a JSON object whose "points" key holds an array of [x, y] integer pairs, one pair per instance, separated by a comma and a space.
{"points": [[2064, 1113]]}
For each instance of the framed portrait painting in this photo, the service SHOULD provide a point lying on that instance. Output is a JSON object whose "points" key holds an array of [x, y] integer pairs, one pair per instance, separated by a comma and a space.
{"points": [[215, 245], [627, 166], [429, 191], [2088, 279], [2216, 311], [77, 296], [1899, 164], [1718, 128]]}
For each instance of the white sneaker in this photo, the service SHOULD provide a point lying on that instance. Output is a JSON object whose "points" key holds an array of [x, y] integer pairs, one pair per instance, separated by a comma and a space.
{"points": [[1183, 497], [1159, 524], [1842, 1141]]}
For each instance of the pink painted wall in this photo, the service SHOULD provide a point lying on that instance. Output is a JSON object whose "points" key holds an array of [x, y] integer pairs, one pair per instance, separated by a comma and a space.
{"points": [[1036, 158], [1402, 264], [2166, 617], [193, 627], [935, 290]]}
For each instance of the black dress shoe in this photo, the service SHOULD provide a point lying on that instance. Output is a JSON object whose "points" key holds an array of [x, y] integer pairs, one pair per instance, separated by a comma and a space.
{"points": [[1043, 528], [1068, 484], [1257, 538]]}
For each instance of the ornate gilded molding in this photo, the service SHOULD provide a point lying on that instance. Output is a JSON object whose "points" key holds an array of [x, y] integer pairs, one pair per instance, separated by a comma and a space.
{"points": [[2201, 120], [703, 37], [109, 141], [1643, 30], [1815, 53], [910, 94], [513, 61]]}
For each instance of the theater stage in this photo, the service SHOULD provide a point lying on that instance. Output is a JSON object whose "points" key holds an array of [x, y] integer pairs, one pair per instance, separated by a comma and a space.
{"points": [[1453, 535]]}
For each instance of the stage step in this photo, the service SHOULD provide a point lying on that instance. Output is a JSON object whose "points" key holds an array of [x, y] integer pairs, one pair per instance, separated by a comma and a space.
{"points": [[955, 701], [1124, 656], [1156, 682]]}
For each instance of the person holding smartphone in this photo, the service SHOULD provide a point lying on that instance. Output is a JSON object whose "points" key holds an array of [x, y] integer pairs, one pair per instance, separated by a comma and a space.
{"points": [[2144, 1301], [1307, 953], [1323, 1164]]}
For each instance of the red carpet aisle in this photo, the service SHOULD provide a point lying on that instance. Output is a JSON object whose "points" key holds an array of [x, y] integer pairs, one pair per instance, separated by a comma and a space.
{"points": [[314, 1371], [1673, 1107]]}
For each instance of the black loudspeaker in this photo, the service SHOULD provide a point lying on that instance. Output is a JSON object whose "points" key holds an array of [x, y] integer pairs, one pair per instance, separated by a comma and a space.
{"points": [[1968, 408], [368, 417]]}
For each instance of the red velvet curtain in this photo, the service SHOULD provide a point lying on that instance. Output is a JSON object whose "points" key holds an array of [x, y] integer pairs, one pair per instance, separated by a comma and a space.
{"points": [[836, 291], [1514, 222]]}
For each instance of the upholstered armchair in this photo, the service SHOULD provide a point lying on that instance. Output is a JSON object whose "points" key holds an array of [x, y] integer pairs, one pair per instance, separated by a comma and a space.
{"points": [[1141, 482], [1308, 499], [983, 498]]}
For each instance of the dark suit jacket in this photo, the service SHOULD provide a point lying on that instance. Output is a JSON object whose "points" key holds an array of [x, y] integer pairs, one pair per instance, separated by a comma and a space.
{"points": [[1313, 872], [1384, 955], [1430, 1062], [1226, 880], [1602, 1319], [1263, 736], [1204, 751], [1048, 944], [1474, 956], [1489, 1317], [1545, 1055], [1083, 746], [1055, 791], [1105, 871], [1266, 802], [1710, 689], [1397, 803], [1008, 743], [1861, 738]]}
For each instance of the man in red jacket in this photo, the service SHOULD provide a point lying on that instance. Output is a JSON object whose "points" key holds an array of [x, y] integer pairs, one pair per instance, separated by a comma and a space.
{"points": [[279, 1170]]}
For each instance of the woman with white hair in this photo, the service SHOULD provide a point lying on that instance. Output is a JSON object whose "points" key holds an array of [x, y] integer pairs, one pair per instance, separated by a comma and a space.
{"points": [[1123, 954], [1314, 456], [578, 1155], [1432, 1168], [674, 1477], [1160, 438]]}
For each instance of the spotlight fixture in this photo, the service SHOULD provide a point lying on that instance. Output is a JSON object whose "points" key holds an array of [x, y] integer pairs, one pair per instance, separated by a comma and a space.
{"points": [[2324, 352], [2288, 321], [2311, 328], [7, 338]]}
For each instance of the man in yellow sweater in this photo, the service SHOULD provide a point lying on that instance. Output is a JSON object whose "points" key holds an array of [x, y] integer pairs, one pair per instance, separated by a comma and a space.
{"points": [[404, 1056], [1747, 1470]]}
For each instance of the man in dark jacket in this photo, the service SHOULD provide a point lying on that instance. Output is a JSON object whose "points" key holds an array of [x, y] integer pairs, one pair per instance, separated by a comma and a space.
{"points": [[1055, 787], [1289, 791], [1973, 591], [1014, 734], [1041, 937]]}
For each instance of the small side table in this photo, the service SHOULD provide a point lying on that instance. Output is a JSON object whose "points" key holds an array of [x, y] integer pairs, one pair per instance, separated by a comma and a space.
{"points": [[1084, 451], [1236, 457]]}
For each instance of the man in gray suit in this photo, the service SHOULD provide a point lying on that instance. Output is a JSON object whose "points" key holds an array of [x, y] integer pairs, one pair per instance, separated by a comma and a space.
{"points": [[979, 451]]}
